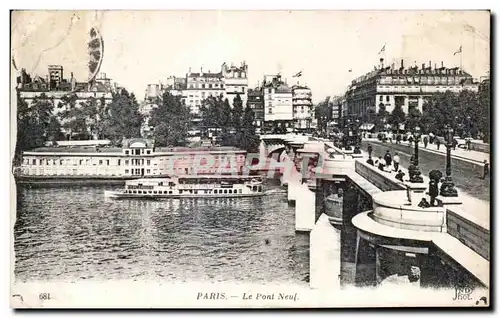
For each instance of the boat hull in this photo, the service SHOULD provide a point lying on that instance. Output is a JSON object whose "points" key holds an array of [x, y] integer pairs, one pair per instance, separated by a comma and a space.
{"points": [[121, 195]]}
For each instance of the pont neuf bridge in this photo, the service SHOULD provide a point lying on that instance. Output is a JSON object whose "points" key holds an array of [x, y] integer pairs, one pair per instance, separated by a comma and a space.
{"points": [[365, 226]]}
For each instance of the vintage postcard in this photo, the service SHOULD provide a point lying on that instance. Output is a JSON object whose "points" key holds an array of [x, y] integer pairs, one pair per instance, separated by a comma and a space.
{"points": [[250, 159]]}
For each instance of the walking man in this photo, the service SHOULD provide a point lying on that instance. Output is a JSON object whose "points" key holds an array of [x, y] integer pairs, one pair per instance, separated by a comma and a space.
{"points": [[396, 160], [468, 142], [370, 149], [388, 158], [426, 141], [438, 143], [486, 169]]}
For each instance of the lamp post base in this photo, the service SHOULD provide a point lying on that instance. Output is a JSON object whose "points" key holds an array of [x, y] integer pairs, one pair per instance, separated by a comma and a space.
{"points": [[415, 174], [448, 188], [357, 150]]}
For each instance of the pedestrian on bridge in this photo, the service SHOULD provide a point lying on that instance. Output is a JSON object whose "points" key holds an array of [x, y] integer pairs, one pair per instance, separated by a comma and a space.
{"points": [[438, 143], [398, 139], [426, 141], [433, 191], [370, 150], [396, 160], [486, 169], [388, 158]]}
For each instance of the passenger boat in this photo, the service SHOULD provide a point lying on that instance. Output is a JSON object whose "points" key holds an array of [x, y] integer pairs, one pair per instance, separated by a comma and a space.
{"points": [[199, 186]]}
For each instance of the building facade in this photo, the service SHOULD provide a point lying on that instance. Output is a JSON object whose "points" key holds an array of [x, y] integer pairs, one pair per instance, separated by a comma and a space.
{"points": [[408, 87], [138, 157], [236, 82], [278, 102], [303, 112], [200, 86], [55, 87]]}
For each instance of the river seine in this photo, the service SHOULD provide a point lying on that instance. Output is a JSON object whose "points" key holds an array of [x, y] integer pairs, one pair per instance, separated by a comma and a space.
{"points": [[73, 234]]}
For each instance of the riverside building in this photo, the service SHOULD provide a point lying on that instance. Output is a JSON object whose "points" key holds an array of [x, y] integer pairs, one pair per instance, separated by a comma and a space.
{"points": [[137, 157]]}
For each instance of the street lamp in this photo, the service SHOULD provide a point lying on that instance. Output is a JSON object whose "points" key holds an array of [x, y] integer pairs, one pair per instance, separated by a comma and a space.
{"points": [[356, 136], [414, 172], [448, 187]]}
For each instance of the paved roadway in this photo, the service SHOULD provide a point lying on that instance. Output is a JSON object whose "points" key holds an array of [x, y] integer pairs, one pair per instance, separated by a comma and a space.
{"points": [[466, 177]]}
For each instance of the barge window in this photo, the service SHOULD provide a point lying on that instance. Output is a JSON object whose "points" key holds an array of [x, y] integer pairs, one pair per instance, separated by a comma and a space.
{"points": [[215, 191], [119, 161], [160, 183], [100, 162], [148, 162], [135, 191], [148, 171], [126, 152], [34, 162], [107, 162], [154, 192], [148, 152], [169, 192], [126, 162], [126, 171], [139, 191], [225, 191], [239, 191]]}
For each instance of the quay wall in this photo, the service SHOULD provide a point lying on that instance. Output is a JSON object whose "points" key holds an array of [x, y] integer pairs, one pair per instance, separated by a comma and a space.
{"points": [[377, 178]]}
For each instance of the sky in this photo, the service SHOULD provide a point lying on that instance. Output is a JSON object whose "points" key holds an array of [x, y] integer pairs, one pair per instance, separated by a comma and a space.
{"points": [[145, 47]]}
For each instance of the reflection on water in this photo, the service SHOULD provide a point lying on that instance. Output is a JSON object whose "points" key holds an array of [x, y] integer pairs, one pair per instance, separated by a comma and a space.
{"points": [[74, 233]]}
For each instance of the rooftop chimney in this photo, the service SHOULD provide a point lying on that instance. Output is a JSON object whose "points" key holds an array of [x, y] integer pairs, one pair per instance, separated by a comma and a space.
{"points": [[381, 63], [442, 64], [402, 64], [435, 66], [201, 71], [423, 66], [430, 65]]}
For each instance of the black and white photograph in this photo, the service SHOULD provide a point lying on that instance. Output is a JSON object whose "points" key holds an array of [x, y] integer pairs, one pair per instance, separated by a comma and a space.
{"points": [[250, 159]]}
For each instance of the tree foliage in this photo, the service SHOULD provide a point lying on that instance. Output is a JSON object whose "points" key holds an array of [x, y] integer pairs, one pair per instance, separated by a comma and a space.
{"points": [[323, 113], [466, 112], [397, 116], [36, 124], [171, 121]]}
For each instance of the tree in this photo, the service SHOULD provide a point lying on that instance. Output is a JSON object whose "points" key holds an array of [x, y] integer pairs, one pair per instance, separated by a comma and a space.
{"points": [[323, 113], [483, 119], [36, 124], [225, 119], [124, 120], [380, 118], [171, 121], [248, 117], [413, 119], [237, 112]]}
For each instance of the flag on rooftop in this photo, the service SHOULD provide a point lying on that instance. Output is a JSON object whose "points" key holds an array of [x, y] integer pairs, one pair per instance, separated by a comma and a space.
{"points": [[299, 74], [458, 51]]}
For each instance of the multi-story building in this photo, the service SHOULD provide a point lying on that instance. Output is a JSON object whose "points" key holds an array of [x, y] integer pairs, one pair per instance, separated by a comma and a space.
{"points": [[236, 81], [55, 87], [137, 157], [195, 87], [303, 113], [278, 105], [409, 87], [256, 103], [336, 109]]}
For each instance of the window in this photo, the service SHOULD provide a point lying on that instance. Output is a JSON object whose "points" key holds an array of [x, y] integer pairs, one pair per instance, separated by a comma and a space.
{"points": [[34, 162], [126, 171], [170, 192], [81, 162], [239, 191], [148, 152], [60, 162], [148, 162], [243, 89], [126, 162], [202, 85], [269, 90], [119, 161], [126, 152], [107, 162], [100, 162], [381, 98], [225, 191], [270, 111], [387, 98], [148, 171]]}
